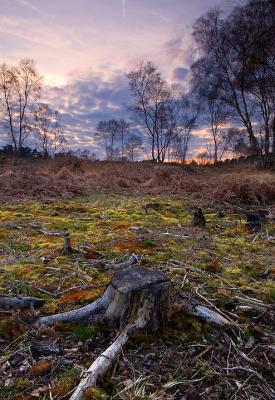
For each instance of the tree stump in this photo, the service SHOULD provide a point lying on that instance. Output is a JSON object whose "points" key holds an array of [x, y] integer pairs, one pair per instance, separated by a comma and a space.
{"points": [[135, 298], [125, 295], [199, 218], [67, 248]]}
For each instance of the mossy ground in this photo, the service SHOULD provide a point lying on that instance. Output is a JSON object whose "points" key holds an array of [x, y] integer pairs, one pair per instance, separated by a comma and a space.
{"points": [[222, 263]]}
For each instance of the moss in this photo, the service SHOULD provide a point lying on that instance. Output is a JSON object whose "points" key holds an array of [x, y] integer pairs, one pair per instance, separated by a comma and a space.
{"points": [[101, 221], [232, 273], [15, 390], [65, 381], [269, 291], [149, 243], [10, 328], [84, 332], [20, 247], [213, 266], [94, 394], [26, 261]]}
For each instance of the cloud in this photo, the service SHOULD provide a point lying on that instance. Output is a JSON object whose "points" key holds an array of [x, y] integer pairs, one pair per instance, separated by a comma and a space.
{"points": [[180, 74], [28, 5], [179, 49], [83, 102], [123, 4]]}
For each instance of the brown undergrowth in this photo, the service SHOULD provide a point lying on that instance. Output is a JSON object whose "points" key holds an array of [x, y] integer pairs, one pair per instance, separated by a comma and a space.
{"points": [[46, 180]]}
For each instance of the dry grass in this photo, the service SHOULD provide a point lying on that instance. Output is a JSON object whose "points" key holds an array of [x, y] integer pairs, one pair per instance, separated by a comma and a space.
{"points": [[27, 180]]}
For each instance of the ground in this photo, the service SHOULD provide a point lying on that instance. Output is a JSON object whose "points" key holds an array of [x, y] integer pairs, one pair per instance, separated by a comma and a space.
{"points": [[224, 266]]}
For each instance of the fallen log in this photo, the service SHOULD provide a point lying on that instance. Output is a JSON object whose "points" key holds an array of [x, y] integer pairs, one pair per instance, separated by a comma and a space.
{"points": [[21, 302], [125, 264]]}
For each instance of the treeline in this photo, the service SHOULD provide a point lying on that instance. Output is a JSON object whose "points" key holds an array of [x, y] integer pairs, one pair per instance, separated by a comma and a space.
{"points": [[231, 94], [234, 76], [23, 117]]}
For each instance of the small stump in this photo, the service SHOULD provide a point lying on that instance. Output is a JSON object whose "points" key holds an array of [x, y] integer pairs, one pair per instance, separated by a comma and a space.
{"points": [[199, 218]]}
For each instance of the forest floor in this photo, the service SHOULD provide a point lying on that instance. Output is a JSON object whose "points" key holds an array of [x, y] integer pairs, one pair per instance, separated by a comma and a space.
{"points": [[224, 266]]}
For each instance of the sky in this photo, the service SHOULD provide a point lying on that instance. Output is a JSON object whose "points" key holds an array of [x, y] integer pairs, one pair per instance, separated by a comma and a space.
{"points": [[84, 48]]}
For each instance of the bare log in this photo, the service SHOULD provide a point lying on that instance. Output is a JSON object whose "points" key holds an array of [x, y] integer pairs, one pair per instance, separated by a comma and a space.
{"points": [[105, 360], [21, 302], [210, 316], [125, 264]]}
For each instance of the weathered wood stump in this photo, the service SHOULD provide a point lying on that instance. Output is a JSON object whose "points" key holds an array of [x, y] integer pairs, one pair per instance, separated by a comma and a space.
{"points": [[256, 220], [125, 295], [67, 248], [135, 298]]}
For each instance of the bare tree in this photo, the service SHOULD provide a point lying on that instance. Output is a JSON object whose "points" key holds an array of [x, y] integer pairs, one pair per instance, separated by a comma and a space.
{"points": [[189, 112], [238, 143], [154, 107], [108, 132], [203, 158], [123, 130], [217, 116], [241, 66], [49, 135], [133, 144], [20, 88]]}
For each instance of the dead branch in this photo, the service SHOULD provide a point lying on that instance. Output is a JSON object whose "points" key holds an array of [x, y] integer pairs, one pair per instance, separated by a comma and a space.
{"points": [[21, 302], [123, 265], [105, 360]]}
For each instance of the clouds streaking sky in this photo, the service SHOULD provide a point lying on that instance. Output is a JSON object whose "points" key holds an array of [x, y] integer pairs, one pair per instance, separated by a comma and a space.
{"points": [[84, 48]]}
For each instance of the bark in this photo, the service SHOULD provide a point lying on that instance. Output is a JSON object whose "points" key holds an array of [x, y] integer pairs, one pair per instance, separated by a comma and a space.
{"points": [[45, 348], [21, 302], [273, 137]]}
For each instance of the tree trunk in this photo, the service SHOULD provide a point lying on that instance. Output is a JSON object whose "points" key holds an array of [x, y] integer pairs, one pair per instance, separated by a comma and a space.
{"points": [[273, 141]]}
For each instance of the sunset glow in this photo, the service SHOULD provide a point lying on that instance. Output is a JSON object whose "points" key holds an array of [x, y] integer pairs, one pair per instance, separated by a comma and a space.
{"points": [[84, 48]]}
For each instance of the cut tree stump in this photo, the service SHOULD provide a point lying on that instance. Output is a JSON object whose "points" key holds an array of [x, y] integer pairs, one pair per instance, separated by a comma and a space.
{"points": [[67, 248], [136, 298], [122, 299]]}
